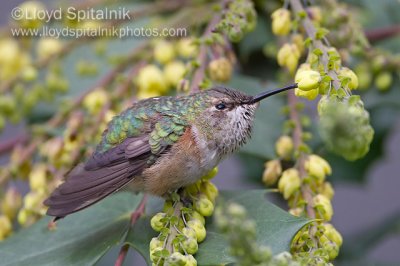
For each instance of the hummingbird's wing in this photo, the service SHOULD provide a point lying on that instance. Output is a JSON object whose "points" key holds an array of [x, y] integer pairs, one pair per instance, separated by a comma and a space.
{"points": [[107, 172], [102, 175]]}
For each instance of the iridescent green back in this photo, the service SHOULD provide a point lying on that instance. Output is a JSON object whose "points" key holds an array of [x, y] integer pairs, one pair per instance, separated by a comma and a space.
{"points": [[163, 118]]}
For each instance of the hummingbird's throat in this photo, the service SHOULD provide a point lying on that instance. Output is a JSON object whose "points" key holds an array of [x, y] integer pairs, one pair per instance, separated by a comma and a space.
{"points": [[266, 94]]}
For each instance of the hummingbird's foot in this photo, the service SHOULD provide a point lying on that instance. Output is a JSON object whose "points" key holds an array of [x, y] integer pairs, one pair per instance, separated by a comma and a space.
{"points": [[185, 199]]}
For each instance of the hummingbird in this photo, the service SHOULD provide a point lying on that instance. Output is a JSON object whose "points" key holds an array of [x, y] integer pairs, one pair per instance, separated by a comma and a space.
{"points": [[159, 145]]}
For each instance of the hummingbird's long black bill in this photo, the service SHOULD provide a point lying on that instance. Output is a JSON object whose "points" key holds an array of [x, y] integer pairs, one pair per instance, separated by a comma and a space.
{"points": [[266, 94]]}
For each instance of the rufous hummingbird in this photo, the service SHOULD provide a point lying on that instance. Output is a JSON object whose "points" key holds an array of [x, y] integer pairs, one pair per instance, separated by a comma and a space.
{"points": [[160, 145]]}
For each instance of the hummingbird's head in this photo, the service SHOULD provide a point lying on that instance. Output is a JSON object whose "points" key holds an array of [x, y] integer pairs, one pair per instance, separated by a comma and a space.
{"points": [[228, 116]]}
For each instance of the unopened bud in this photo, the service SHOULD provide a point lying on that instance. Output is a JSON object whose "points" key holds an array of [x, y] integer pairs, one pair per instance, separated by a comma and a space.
{"points": [[324, 206], [5, 227], [12, 201], [220, 69], [204, 206], [281, 23], [198, 228], [284, 147], [383, 81], [307, 79], [348, 73], [164, 52], [289, 182], [309, 95], [156, 222], [332, 234], [327, 190], [37, 177], [210, 174], [273, 170]]}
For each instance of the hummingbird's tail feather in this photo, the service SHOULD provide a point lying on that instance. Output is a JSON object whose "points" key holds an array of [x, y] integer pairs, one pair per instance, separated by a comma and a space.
{"points": [[85, 185]]}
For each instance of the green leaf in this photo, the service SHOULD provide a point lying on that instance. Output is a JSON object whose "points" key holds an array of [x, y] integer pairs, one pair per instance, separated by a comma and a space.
{"points": [[275, 228], [268, 121], [80, 239]]}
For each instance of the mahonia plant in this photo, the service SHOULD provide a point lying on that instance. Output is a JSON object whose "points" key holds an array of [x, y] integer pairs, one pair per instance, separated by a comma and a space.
{"points": [[182, 223], [31, 73], [240, 231]]}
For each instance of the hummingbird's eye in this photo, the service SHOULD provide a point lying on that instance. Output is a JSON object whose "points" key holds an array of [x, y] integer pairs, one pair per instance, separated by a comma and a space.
{"points": [[220, 106]]}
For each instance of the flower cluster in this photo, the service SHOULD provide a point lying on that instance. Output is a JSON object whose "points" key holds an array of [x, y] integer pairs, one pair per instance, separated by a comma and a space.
{"points": [[240, 231], [154, 81], [238, 19], [182, 223]]}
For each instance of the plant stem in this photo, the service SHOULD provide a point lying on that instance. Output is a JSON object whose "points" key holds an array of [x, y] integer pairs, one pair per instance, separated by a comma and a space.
{"points": [[297, 7], [134, 217], [173, 231], [202, 58], [297, 141]]}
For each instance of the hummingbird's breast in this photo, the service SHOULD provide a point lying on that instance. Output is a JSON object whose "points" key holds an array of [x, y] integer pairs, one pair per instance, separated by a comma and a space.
{"points": [[185, 163]]}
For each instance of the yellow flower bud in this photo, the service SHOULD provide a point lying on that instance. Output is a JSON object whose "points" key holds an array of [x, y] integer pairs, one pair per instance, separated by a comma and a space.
{"points": [[332, 250], [176, 259], [29, 14], [323, 206], [150, 79], [315, 170], [348, 73], [190, 260], [199, 229], [307, 80], [310, 95], [37, 177], [321, 161], [156, 222], [12, 201], [12, 59], [315, 13], [173, 72], [186, 47], [48, 47], [273, 170], [288, 56], [95, 100], [33, 200], [220, 69], [23, 217], [153, 257], [289, 182], [298, 40], [210, 190], [291, 63], [327, 190], [296, 211], [383, 80], [190, 245], [363, 73], [197, 216], [5, 227], [164, 52], [332, 234], [211, 174], [189, 232], [281, 23], [284, 147], [204, 206], [29, 74], [155, 243]]}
